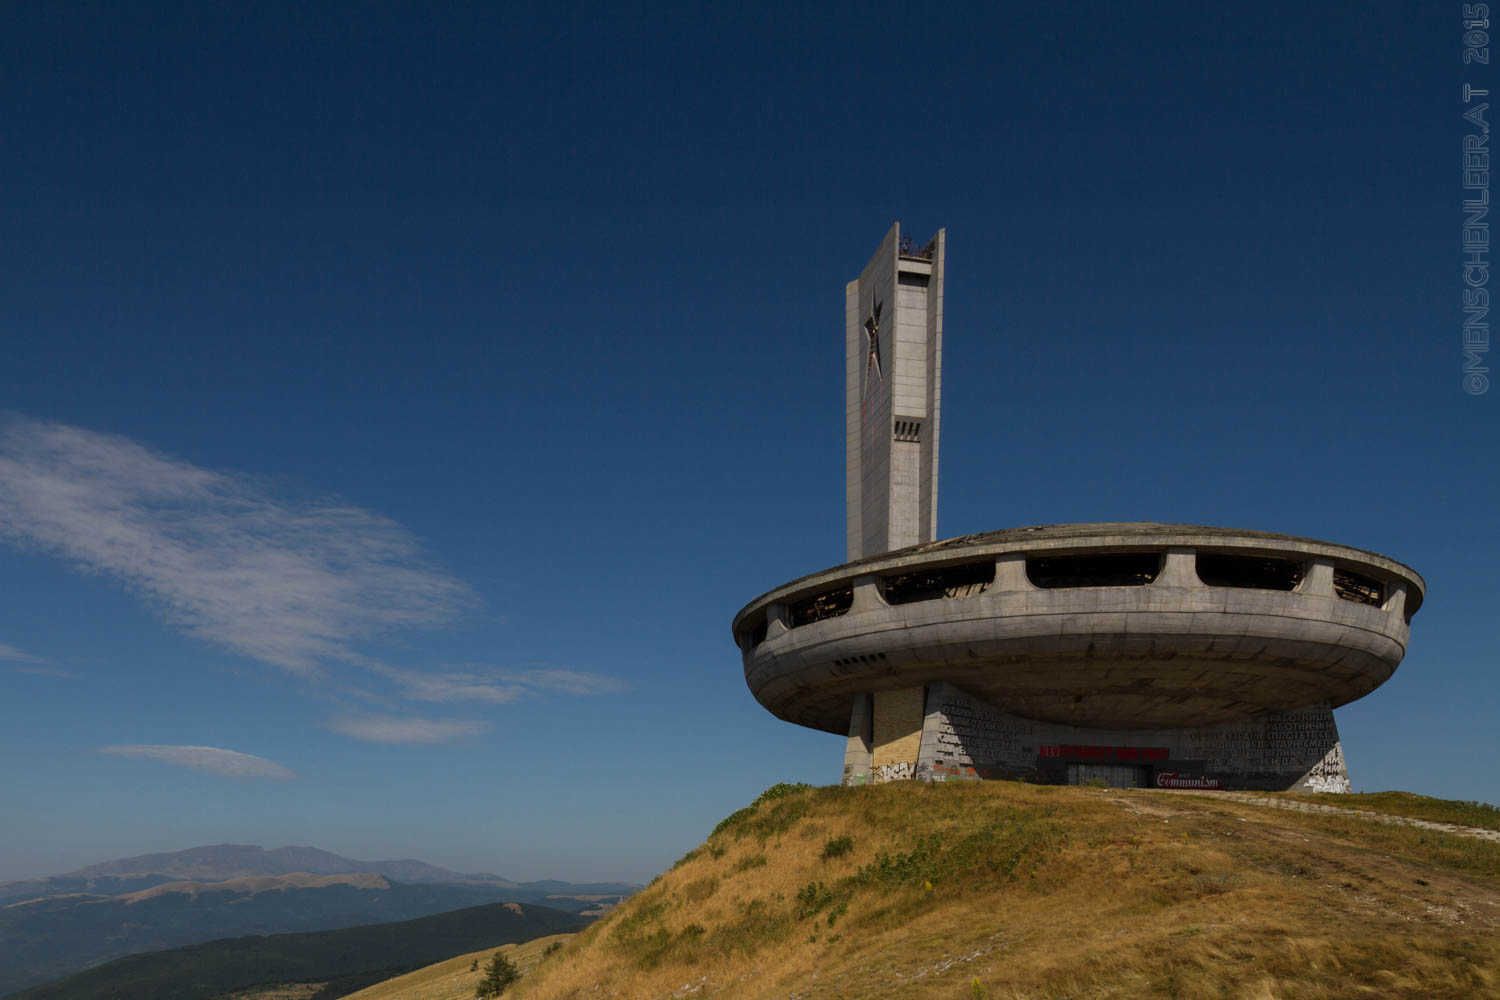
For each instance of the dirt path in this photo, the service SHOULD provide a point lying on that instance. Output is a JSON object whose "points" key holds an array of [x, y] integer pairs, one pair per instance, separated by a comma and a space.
{"points": [[1293, 804]]}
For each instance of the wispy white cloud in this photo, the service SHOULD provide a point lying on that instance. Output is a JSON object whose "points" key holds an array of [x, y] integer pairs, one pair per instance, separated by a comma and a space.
{"points": [[448, 686], [230, 763], [390, 729], [41, 671], [302, 586], [289, 584], [29, 664], [566, 681], [12, 653], [497, 687]]}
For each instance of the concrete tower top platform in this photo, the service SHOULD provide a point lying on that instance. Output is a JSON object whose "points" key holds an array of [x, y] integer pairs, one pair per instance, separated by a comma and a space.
{"points": [[1112, 625]]}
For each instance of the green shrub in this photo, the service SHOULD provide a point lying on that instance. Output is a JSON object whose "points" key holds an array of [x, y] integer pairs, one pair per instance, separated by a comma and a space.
{"points": [[758, 926], [733, 820], [812, 898], [498, 977], [989, 854], [779, 790], [837, 847]]}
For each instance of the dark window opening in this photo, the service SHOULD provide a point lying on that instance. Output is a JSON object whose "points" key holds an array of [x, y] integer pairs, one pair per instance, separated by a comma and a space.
{"points": [[829, 604], [932, 584], [1353, 586], [1255, 572], [908, 430], [753, 636], [912, 280], [1125, 569]]}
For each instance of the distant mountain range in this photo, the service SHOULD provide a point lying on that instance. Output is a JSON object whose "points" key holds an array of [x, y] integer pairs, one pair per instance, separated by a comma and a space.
{"points": [[343, 960], [50, 927], [219, 862]]}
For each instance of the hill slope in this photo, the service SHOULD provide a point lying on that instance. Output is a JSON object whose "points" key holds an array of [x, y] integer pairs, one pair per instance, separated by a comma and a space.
{"points": [[1008, 890], [378, 951], [453, 979]]}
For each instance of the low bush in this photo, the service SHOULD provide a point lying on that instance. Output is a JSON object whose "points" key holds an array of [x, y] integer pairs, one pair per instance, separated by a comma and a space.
{"points": [[837, 847], [499, 975]]}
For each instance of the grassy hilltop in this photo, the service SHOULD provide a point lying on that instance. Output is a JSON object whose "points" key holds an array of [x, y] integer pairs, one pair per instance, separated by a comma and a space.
{"points": [[1002, 890]]}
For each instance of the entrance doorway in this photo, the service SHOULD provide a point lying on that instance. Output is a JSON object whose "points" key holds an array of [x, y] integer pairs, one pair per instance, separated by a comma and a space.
{"points": [[1113, 775]]}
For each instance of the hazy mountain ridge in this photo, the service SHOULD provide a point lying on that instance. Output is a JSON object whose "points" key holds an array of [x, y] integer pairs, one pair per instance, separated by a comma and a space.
{"points": [[221, 862], [353, 957], [217, 862], [55, 926], [43, 939], [254, 884]]}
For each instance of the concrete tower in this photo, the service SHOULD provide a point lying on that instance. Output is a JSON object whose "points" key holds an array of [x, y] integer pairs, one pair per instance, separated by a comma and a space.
{"points": [[893, 361]]}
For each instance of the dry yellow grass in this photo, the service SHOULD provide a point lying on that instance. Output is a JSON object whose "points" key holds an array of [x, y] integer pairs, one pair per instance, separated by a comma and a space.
{"points": [[453, 980], [1002, 890], [285, 991]]}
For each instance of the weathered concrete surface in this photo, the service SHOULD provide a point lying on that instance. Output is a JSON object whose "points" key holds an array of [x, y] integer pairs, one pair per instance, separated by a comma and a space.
{"points": [[893, 341], [1171, 654], [859, 750], [965, 738]]}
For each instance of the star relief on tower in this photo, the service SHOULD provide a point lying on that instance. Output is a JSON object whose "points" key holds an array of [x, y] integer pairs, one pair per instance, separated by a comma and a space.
{"points": [[872, 338]]}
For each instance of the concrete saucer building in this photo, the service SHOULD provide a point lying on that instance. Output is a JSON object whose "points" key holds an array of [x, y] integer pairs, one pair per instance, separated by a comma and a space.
{"points": [[1139, 654]]}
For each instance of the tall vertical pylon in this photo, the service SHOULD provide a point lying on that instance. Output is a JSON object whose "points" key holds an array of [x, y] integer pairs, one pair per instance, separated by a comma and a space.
{"points": [[893, 366]]}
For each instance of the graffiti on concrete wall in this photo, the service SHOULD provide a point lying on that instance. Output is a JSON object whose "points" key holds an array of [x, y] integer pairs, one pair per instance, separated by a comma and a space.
{"points": [[1328, 774], [902, 771], [855, 776], [1171, 779]]}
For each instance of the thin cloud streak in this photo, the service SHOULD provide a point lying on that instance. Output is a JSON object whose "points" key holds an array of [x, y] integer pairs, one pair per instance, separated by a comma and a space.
{"points": [[12, 653], [287, 584], [389, 729], [230, 763], [41, 671], [457, 687], [496, 687], [566, 681]]}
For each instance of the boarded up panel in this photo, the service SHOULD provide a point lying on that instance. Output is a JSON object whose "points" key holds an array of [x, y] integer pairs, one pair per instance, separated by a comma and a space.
{"points": [[898, 733]]}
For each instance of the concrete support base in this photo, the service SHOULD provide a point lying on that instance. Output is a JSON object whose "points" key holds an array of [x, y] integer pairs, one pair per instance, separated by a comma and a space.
{"points": [[857, 750], [885, 736], [965, 738]]}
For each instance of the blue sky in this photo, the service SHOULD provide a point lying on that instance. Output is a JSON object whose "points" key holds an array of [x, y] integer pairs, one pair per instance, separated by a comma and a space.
{"points": [[400, 400]]}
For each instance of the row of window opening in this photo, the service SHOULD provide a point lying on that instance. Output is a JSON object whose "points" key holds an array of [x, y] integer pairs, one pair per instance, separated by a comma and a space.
{"points": [[1113, 569]]}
